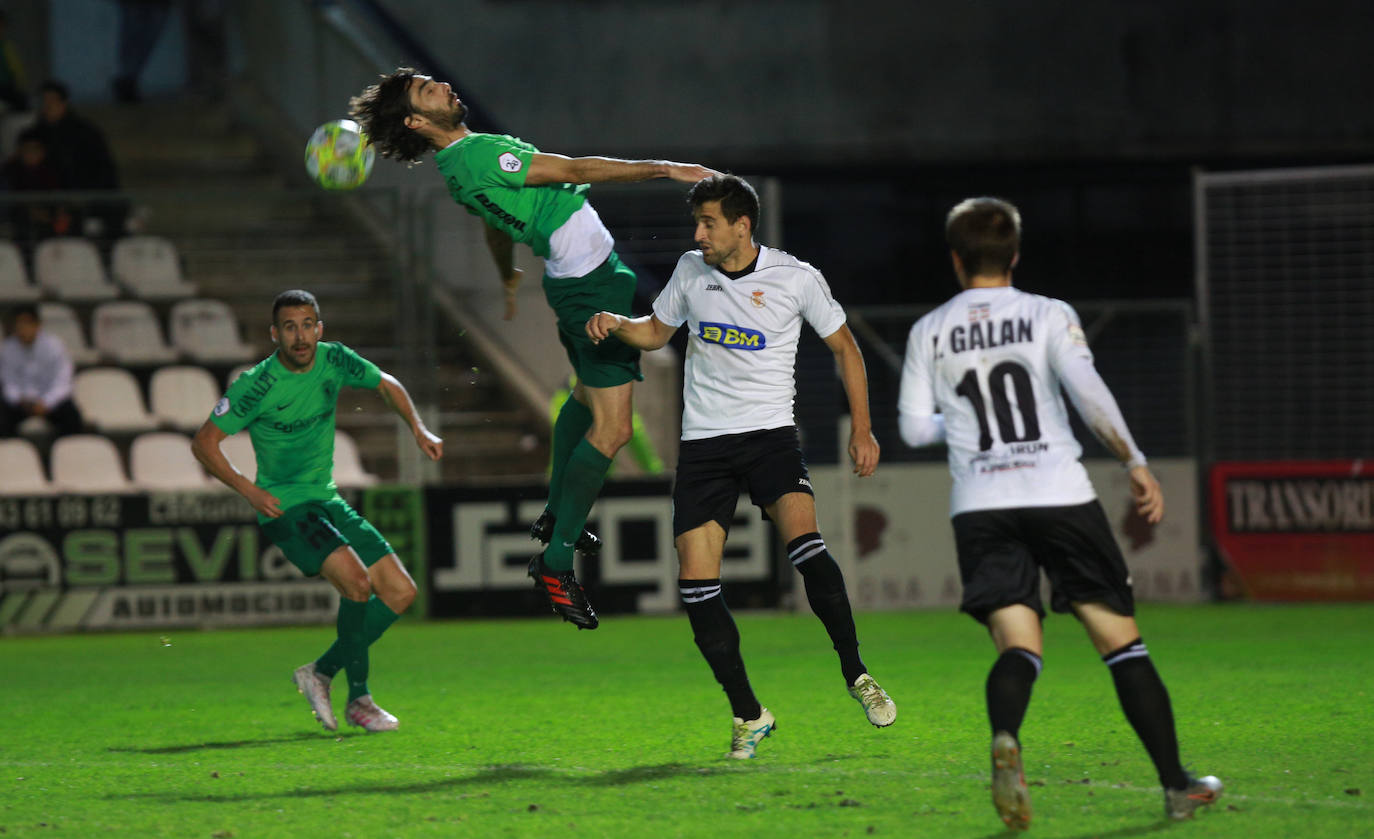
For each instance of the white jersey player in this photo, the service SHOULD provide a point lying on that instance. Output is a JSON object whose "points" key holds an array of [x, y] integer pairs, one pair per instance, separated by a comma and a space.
{"points": [[992, 361], [744, 306]]}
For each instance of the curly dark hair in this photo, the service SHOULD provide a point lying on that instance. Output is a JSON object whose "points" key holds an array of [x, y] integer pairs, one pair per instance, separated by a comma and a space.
{"points": [[382, 109]]}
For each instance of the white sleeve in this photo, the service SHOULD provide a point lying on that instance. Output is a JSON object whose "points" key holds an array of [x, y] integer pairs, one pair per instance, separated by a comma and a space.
{"points": [[820, 308], [9, 373], [58, 368], [670, 307], [916, 417], [1072, 362]]}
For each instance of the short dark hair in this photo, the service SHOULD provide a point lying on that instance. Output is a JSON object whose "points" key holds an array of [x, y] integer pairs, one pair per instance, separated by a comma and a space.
{"points": [[54, 86], [295, 297], [985, 233], [737, 198], [381, 110], [21, 309]]}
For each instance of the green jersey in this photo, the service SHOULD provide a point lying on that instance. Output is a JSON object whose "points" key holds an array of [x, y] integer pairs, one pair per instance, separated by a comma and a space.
{"points": [[290, 419], [486, 174]]}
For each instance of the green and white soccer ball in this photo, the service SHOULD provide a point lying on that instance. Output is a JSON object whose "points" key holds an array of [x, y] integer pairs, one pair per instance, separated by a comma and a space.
{"points": [[338, 155]]}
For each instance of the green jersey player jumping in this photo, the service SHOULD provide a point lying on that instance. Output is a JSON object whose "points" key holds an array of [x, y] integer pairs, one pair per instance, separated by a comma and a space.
{"points": [[538, 199], [287, 403]]}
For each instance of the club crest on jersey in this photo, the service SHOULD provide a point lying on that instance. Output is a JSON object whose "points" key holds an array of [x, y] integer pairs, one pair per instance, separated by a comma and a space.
{"points": [[979, 311], [222, 406], [756, 297], [509, 163], [732, 337]]}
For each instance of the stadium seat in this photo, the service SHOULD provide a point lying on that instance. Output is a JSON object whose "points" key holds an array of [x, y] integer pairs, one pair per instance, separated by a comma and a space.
{"points": [[14, 279], [162, 460], [22, 468], [235, 373], [128, 332], [61, 320], [87, 463], [149, 268], [182, 396], [110, 401], [348, 466], [206, 331], [69, 268], [239, 449]]}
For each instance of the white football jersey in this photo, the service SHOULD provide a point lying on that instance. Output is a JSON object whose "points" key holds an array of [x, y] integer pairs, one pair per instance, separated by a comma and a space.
{"points": [[742, 350], [991, 360]]}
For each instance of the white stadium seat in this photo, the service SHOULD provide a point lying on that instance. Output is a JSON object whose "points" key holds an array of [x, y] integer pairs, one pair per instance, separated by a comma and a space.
{"points": [[110, 400], [206, 330], [162, 460], [87, 463], [348, 466], [61, 320], [69, 268], [22, 469], [128, 333], [238, 370], [14, 279], [148, 266], [182, 397], [239, 449]]}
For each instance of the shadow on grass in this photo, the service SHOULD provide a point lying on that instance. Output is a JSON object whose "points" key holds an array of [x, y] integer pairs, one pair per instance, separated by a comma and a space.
{"points": [[1119, 833], [639, 774], [490, 775], [227, 744]]}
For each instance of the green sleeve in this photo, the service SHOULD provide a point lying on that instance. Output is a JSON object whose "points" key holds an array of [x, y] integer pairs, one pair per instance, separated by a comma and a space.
{"points": [[355, 371], [238, 407], [495, 160]]}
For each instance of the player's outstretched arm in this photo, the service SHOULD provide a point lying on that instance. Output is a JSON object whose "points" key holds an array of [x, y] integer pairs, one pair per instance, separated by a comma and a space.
{"points": [[205, 446], [645, 333], [863, 446], [502, 249], [398, 400], [558, 169]]}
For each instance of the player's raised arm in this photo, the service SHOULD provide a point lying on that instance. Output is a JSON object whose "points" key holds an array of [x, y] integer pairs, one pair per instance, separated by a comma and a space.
{"points": [[863, 446], [205, 446], [645, 333], [558, 169], [396, 398]]}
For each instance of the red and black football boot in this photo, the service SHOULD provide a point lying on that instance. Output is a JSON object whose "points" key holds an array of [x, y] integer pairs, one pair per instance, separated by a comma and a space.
{"points": [[565, 593]]}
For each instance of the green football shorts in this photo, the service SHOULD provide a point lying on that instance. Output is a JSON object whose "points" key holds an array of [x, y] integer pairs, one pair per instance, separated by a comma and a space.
{"points": [[310, 531], [611, 288]]}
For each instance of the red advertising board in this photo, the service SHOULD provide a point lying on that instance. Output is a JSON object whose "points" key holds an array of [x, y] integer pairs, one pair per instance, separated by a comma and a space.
{"points": [[1297, 530]]}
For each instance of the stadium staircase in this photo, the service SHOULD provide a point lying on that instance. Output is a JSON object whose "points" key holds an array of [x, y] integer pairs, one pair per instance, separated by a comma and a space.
{"points": [[245, 232]]}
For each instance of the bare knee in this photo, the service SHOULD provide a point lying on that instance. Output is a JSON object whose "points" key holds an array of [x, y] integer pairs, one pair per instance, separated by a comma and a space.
{"points": [[398, 597], [610, 438], [355, 585]]}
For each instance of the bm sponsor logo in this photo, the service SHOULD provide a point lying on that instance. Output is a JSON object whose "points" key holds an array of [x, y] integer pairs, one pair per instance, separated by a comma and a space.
{"points": [[732, 337]]}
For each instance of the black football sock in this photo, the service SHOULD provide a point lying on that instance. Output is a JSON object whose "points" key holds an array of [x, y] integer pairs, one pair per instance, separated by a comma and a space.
{"points": [[718, 639], [1145, 701], [826, 593], [1009, 689]]}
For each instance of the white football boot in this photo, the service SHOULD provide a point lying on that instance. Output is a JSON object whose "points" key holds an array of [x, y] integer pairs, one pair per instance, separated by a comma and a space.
{"points": [[745, 736], [365, 714], [877, 705], [1009, 793], [315, 688], [1180, 804]]}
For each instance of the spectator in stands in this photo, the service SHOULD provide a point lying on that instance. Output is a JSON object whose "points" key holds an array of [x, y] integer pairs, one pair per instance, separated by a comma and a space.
{"points": [[13, 87], [35, 377], [81, 154], [30, 169]]}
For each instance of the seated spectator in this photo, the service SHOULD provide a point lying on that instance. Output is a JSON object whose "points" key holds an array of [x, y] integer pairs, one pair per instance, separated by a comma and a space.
{"points": [[78, 149], [31, 170], [35, 377]]}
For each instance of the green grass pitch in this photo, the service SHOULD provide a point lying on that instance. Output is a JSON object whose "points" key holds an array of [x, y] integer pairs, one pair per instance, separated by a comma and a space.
{"points": [[528, 728]]}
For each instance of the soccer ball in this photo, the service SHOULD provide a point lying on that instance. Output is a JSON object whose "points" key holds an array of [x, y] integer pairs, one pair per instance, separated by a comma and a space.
{"points": [[338, 155]]}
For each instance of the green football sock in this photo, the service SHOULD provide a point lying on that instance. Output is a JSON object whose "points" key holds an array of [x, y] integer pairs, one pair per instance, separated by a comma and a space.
{"points": [[352, 622], [568, 430], [582, 479], [379, 617]]}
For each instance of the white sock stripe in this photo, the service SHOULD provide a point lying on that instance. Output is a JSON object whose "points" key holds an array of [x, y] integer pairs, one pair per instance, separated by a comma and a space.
{"points": [[1133, 651], [798, 560], [1032, 658], [806, 545], [698, 594]]}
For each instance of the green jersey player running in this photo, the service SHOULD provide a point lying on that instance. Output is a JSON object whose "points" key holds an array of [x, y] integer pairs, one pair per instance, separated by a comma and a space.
{"points": [[287, 402], [539, 200]]}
